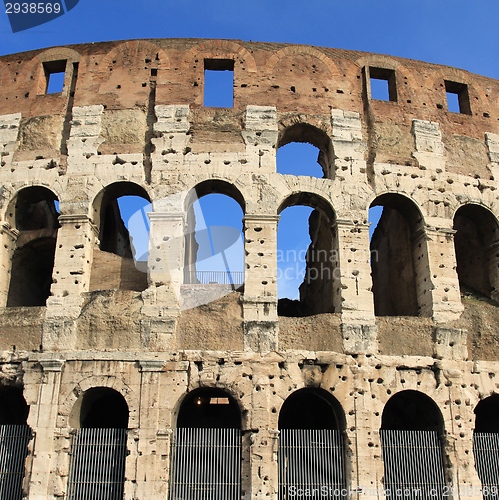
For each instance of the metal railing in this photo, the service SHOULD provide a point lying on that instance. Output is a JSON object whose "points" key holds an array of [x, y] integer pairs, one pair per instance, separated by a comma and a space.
{"points": [[206, 464], [13, 451], [97, 469], [311, 461], [235, 278], [413, 465], [486, 451]]}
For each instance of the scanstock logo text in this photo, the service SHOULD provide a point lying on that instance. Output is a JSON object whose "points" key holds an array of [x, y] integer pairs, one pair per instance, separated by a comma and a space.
{"points": [[25, 15]]}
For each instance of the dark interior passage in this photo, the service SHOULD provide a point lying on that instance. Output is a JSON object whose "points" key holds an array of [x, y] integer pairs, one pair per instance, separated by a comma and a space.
{"points": [[103, 408]]}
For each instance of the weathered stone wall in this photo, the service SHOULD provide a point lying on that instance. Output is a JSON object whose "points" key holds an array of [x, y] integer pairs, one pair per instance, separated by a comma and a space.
{"points": [[130, 120]]}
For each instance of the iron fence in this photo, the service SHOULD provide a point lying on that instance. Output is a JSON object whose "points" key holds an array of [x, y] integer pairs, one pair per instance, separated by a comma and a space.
{"points": [[311, 464], [486, 451], [413, 465], [97, 469], [235, 278], [13, 451], [206, 464]]}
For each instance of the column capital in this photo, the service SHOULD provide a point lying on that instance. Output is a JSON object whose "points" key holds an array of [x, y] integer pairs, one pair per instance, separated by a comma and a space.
{"points": [[261, 218]]}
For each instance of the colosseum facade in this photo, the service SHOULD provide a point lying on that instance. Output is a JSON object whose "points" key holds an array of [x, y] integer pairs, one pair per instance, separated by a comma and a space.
{"points": [[120, 383]]}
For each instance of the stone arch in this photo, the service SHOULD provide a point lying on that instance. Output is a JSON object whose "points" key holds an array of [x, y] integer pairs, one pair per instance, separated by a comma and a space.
{"points": [[311, 408], [399, 259], [192, 243], [294, 50], [116, 252], [320, 291], [130, 50], [410, 439], [224, 49], [110, 382], [32, 212], [37, 67], [476, 246], [113, 412], [315, 135]]}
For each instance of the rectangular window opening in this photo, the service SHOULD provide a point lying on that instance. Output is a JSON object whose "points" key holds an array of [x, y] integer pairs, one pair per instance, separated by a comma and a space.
{"points": [[55, 73], [383, 84], [458, 99], [219, 83]]}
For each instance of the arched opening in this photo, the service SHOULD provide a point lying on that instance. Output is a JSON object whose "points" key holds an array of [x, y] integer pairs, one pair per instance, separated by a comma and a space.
{"points": [[486, 445], [399, 259], [35, 216], [214, 245], [206, 447], [305, 150], [98, 450], [475, 242], [411, 430], [14, 438], [307, 257], [120, 259], [311, 451]]}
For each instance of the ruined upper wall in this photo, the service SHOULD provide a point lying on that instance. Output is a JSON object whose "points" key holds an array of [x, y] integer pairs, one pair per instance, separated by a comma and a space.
{"points": [[296, 79]]}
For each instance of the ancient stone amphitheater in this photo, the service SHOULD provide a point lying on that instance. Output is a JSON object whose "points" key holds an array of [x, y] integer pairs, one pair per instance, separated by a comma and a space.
{"points": [[118, 383]]}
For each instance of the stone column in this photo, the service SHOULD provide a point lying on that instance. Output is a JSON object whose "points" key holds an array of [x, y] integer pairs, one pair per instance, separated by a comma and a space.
{"points": [[443, 286], [45, 480], [8, 238], [71, 277], [150, 465], [165, 275], [263, 438], [260, 282], [355, 283], [9, 130]]}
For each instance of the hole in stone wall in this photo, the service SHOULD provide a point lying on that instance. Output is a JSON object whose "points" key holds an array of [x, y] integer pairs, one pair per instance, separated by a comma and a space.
{"points": [[120, 261], [214, 244], [477, 232], [307, 258], [103, 408], [36, 218], [383, 84], [393, 259], [458, 100], [55, 72], [219, 83]]}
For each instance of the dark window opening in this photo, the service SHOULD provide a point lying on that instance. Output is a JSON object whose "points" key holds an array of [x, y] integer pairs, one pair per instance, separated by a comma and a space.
{"points": [[103, 408], [311, 409], [398, 259], [307, 258], [55, 72], [411, 411], [487, 415], [209, 408], [477, 231], [383, 84], [36, 218], [219, 83], [458, 99], [13, 407]]}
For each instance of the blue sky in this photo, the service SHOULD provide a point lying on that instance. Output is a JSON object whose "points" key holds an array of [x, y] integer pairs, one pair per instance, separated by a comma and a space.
{"points": [[460, 33]]}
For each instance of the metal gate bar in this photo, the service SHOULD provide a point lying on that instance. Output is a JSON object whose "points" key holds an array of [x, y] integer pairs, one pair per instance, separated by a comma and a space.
{"points": [[97, 468], [413, 465], [13, 451], [206, 464], [486, 451], [311, 464]]}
